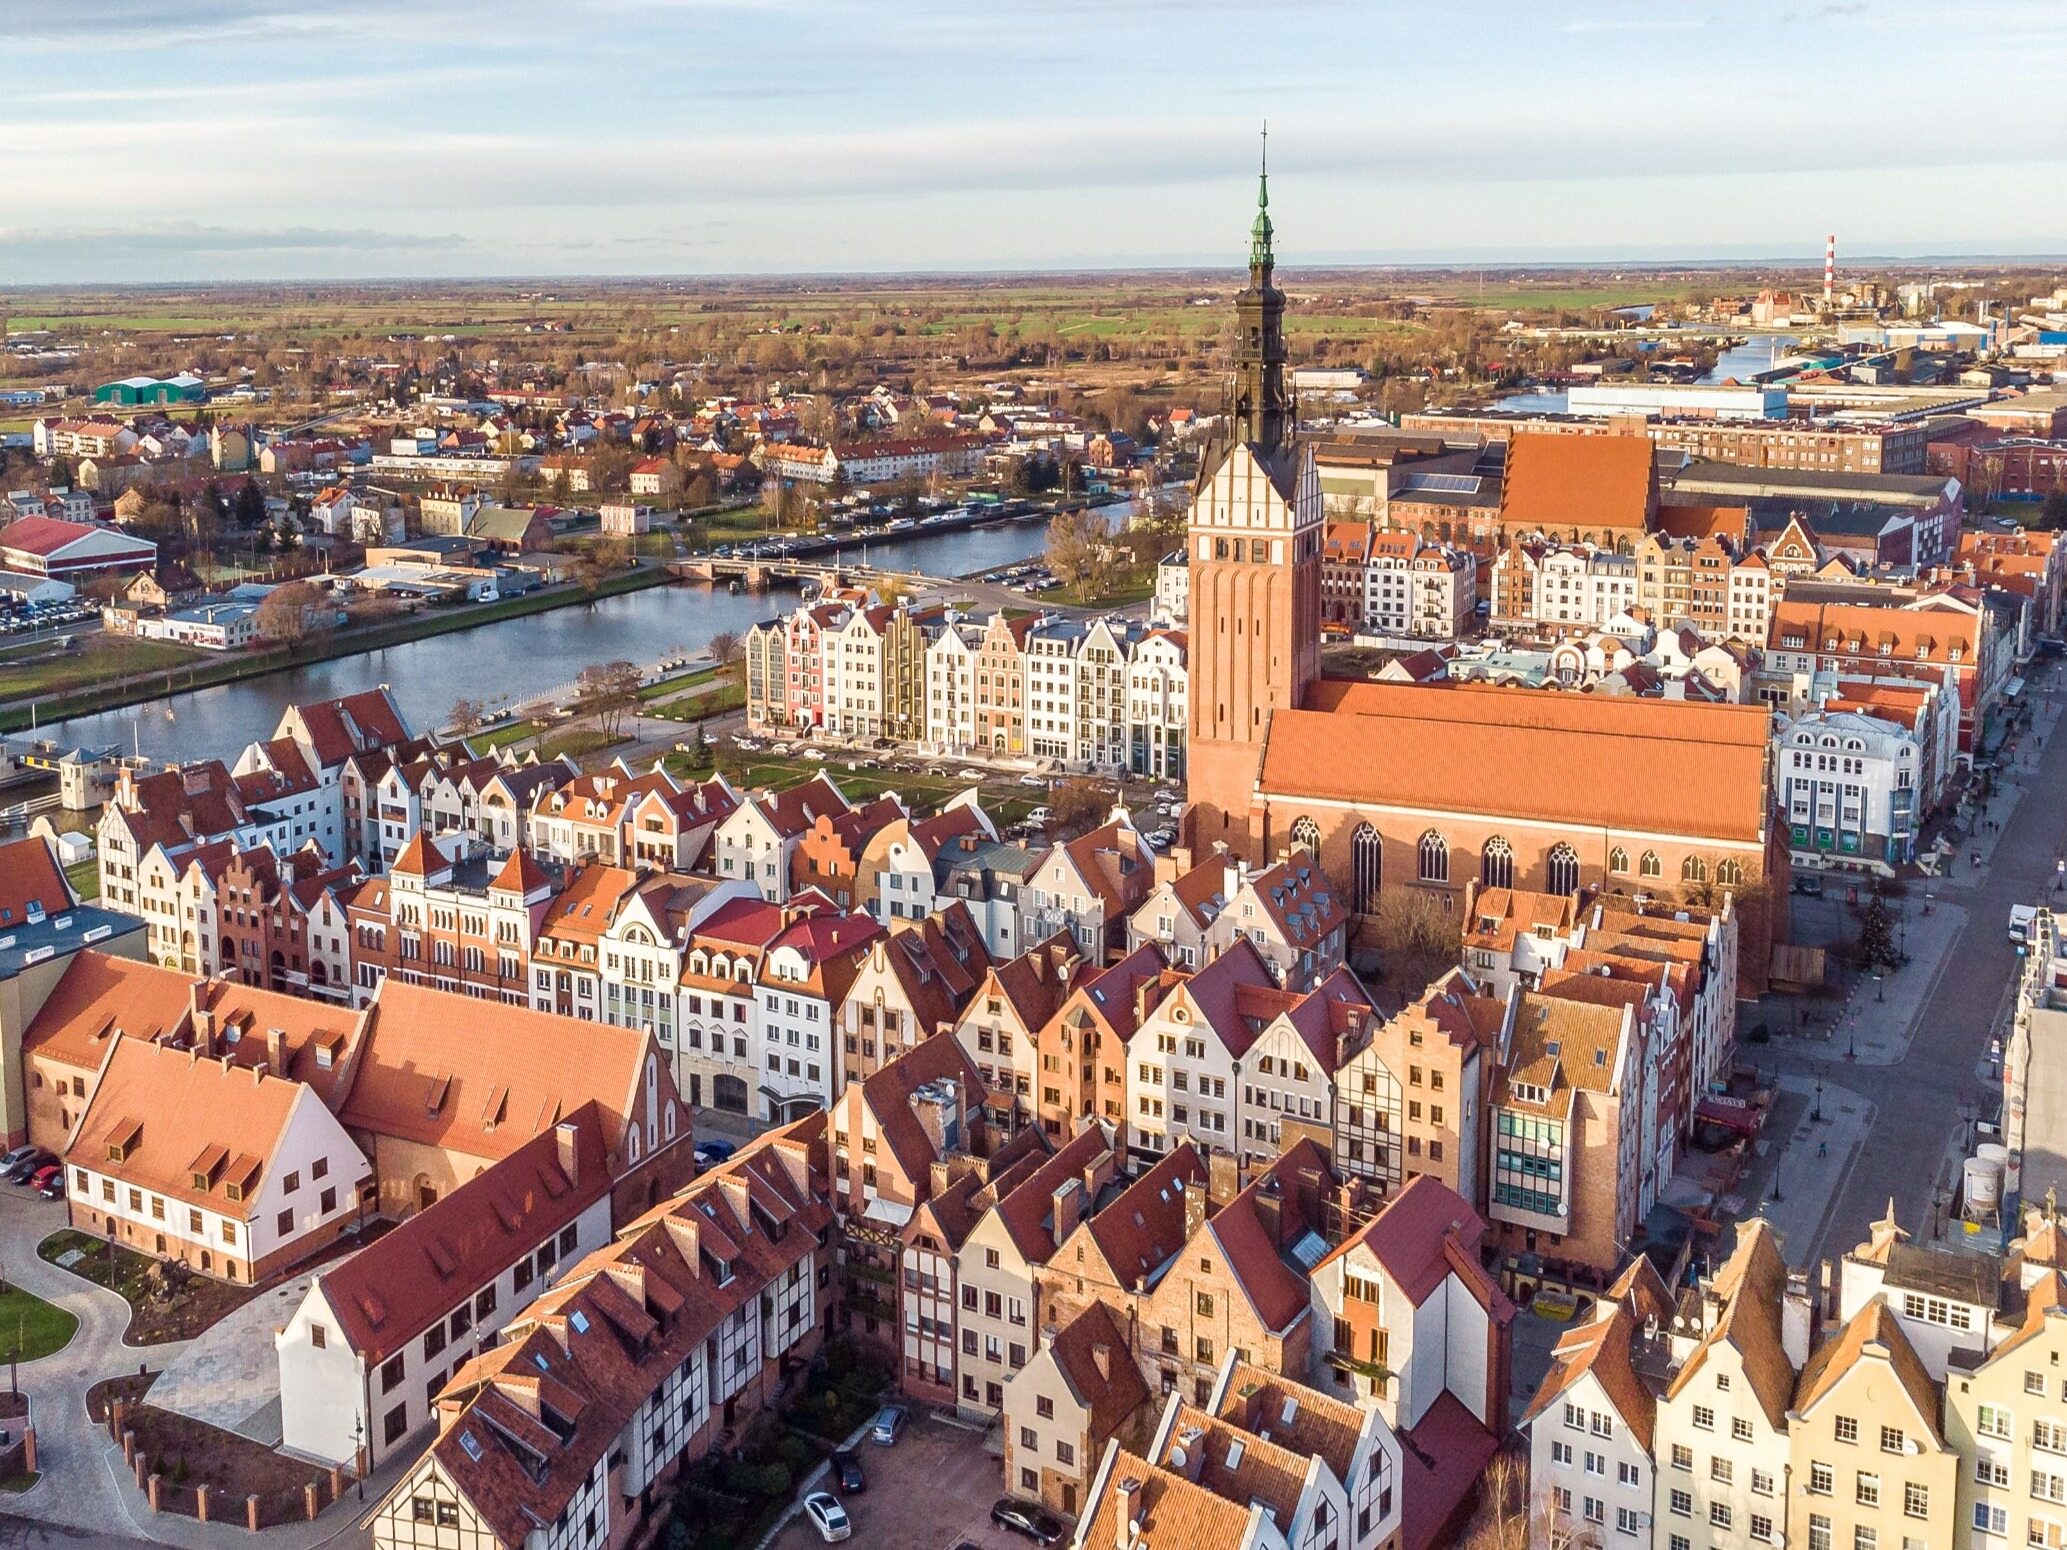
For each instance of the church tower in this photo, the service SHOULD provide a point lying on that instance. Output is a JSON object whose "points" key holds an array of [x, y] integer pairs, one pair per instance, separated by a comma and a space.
{"points": [[1254, 546]]}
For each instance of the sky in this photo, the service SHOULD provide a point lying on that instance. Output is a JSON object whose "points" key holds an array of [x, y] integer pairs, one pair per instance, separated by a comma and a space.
{"points": [[145, 141]]}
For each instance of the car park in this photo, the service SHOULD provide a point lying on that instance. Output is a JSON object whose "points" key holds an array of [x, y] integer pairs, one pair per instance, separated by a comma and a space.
{"points": [[49, 1173], [28, 1167], [828, 1517]]}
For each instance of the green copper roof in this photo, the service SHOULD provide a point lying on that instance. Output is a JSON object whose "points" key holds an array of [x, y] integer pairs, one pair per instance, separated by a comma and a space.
{"points": [[1260, 233]]}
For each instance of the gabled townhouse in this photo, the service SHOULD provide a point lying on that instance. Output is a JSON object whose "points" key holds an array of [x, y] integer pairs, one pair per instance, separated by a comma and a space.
{"points": [[567, 951], [1082, 1051], [998, 1260], [998, 1028], [1289, 910], [896, 1137], [1286, 1081], [1158, 705], [990, 879], [282, 922], [233, 1171], [1185, 1060], [1089, 886], [903, 870], [584, 818], [913, 983], [717, 1055], [642, 949], [369, 1345], [951, 689], [1077, 1393], [469, 925], [806, 974], [1867, 1461], [1592, 1427], [2005, 1414], [828, 856], [758, 841], [671, 828], [1412, 1100], [646, 1355], [1722, 1419], [1000, 700], [1405, 1313]]}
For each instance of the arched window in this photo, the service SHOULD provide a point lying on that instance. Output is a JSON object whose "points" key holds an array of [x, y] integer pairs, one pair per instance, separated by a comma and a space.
{"points": [[1618, 861], [1496, 864], [1563, 869], [1693, 870], [1306, 833], [1650, 866], [1730, 875], [1435, 858], [1366, 866]]}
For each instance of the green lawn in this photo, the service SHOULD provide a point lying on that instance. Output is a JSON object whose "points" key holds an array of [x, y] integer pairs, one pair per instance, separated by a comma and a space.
{"points": [[85, 878], [502, 737], [663, 688], [1005, 800], [1118, 596], [579, 743], [31, 1327], [37, 670]]}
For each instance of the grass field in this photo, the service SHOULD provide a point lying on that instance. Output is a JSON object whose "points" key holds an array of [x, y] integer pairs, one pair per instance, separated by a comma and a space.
{"points": [[84, 877], [1003, 798], [34, 670], [1109, 597], [31, 1327]]}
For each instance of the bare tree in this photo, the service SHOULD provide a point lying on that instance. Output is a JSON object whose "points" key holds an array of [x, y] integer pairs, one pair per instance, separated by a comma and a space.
{"points": [[1075, 540], [1415, 937], [727, 649], [466, 716], [606, 693], [289, 613], [1077, 807]]}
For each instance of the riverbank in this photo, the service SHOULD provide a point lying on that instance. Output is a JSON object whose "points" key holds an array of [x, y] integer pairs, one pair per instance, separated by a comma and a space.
{"points": [[143, 687]]}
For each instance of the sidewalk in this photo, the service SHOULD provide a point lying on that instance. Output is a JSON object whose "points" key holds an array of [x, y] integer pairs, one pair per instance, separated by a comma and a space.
{"points": [[1877, 1021], [1811, 1163]]}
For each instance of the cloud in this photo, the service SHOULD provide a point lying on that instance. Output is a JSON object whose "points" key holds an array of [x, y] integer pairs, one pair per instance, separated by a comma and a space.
{"points": [[174, 241]]}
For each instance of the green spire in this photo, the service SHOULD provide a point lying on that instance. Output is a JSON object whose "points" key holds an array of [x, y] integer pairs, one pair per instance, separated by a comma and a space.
{"points": [[1260, 256]]}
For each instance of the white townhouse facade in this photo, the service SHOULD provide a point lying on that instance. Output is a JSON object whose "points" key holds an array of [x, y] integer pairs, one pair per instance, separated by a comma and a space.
{"points": [[1848, 785], [951, 689]]}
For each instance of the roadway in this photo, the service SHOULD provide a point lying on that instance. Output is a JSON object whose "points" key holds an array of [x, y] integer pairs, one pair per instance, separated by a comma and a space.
{"points": [[1921, 1101]]}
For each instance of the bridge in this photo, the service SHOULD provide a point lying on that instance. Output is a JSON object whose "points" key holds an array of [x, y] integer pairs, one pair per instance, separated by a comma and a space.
{"points": [[755, 575]]}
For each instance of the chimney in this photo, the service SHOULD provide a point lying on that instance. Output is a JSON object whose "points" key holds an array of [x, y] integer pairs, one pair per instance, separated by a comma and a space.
{"points": [[1270, 1210], [1144, 997], [204, 1029], [1101, 1358], [1068, 1204], [1099, 1172], [1798, 1319], [1194, 1209], [276, 1050], [567, 1150], [1224, 1173], [1188, 1457], [1127, 1521], [938, 1107]]}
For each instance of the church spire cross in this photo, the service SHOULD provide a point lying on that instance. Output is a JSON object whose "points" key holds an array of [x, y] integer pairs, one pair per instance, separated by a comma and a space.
{"points": [[1260, 234]]}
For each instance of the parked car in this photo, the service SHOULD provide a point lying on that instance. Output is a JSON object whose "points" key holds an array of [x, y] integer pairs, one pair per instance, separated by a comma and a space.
{"points": [[847, 1470], [55, 1189], [828, 1517], [815, 754], [46, 1175], [1039, 815], [20, 1154], [1029, 1518], [709, 1154], [1031, 779], [889, 1425], [37, 1160]]}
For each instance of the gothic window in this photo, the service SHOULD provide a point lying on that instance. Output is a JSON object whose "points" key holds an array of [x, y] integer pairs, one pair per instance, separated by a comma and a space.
{"points": [[1435, 858], [1618, 861], [1366, 860], [1306, 834], [1730, 875], [1496, 864], [1651, 866], [1693, 870], [1563, 869]]}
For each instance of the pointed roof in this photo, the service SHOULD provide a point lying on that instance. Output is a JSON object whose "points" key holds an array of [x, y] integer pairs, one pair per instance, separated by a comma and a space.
{"points": [[1873, 1331], [1751, 1284]]}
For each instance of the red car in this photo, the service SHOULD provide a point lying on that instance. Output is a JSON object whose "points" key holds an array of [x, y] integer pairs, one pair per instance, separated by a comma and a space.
{"points": [[45, 1176]]}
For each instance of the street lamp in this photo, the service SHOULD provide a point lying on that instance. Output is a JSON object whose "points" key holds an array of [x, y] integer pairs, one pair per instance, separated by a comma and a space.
{"points": [[359, 1456], [1776, 1197], [1880, 989], [1816, 1113]]}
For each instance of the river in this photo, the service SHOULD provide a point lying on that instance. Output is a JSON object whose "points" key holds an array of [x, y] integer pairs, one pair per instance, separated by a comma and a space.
{"points": [[1757, 353], [514, 661]]}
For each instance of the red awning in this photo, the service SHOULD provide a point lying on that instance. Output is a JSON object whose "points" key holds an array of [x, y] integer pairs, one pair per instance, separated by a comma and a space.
{"points": [[1730, 1113]]}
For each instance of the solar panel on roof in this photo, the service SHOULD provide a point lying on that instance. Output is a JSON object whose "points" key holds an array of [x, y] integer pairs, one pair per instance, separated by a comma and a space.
{"points": [[1446, 484]]}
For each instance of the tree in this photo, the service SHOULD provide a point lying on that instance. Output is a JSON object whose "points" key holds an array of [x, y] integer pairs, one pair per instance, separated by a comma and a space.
{"points": [[727, 650], [251, 505], [606, 693], [1078, 806], [1876, 934], [2052, 511], [466, 716], [1506, 1519], [290, 612], [1075, 539], [1416, 939]]}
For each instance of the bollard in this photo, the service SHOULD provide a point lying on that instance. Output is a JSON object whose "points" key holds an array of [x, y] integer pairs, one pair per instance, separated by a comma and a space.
{"points": [[309, 1503], [116, 1410], [129, 1447], [143, 1471], [251, 1513], [29, 1451], [151, 1491], [201, 1502], [337, 1481]]}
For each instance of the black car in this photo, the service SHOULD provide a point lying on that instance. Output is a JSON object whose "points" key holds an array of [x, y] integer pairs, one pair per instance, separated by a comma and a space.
{"points": [[29, 1167], [847, 1471], [1029, 1518]]}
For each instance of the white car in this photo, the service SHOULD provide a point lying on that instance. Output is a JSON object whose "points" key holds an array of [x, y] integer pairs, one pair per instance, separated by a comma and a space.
{"points": [[1032, 780], [828, 1517], [1039, 815], [817, 754]]}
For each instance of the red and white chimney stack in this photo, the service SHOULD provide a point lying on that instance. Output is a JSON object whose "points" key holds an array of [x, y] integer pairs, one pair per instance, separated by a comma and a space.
{"points": [[1830, 273]]}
